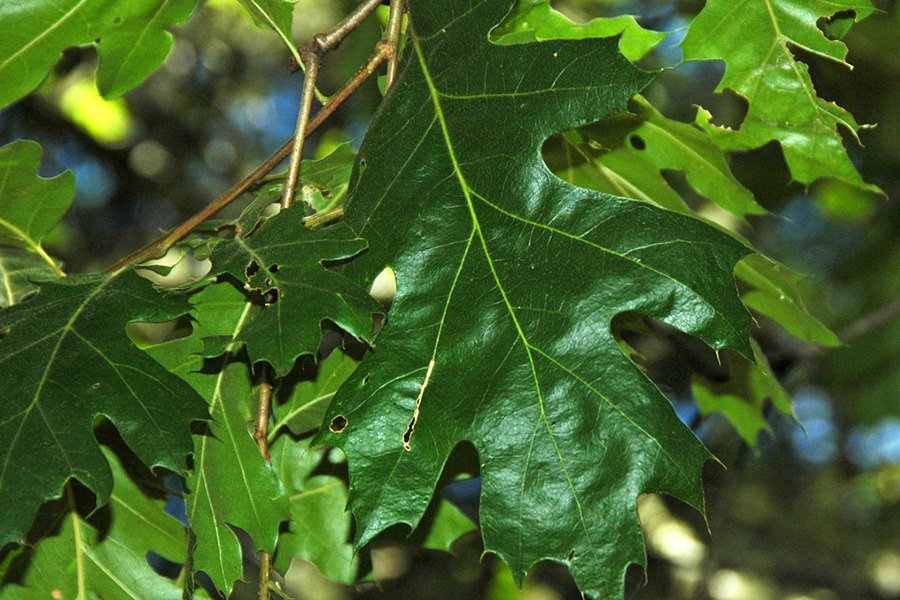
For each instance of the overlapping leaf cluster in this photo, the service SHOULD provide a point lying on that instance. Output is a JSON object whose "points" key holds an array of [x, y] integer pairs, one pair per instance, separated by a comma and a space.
{"points": [[508, 277]]}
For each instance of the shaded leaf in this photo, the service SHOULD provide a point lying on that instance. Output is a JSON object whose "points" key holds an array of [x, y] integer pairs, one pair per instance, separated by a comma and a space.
{"points": [[535, 20], [280, 265], [132, 40], [30, 206], [772, 290], [741, 398], [323, 185], [319, 529], [106, 559], [305, 407], [756, 39], [231, 484], [507, 281], [65, 361]]}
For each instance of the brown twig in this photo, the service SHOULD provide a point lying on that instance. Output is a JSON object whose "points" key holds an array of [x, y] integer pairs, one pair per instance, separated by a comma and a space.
{"points": [[311, 59], [323, 42], [264, 407], [392, 35], [159, 247], [265, 572]]}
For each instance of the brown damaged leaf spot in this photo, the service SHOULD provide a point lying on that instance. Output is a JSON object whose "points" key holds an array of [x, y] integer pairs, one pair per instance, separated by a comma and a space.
{"points": [[338, 424], [407, 436]]}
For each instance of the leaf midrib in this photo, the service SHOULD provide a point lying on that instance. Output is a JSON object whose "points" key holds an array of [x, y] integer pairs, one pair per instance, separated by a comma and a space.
{"points": [[477, 229], [41, 37]]}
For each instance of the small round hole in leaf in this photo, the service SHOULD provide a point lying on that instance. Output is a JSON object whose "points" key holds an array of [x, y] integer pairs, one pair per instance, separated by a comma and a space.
{"points": [[252, 269], [273, 268], [637, 142], [271, 296], [338, 424]]}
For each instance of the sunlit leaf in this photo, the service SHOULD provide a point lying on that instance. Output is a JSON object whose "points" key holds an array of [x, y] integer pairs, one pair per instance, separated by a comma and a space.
{"points": [[535, 20], [641, 148], [129, 34], [30, 206], [276, 14], [507, 281], [19, 269], [772, 290], [757, 40], [742, 397]]}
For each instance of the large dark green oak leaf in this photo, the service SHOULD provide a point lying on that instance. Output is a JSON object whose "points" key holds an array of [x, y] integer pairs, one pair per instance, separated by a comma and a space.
{"points": [[280, 265], [65, 360], [507, 281]]}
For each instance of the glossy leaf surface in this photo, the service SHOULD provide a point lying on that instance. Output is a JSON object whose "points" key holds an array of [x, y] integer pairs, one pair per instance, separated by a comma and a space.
{"points": [[129, 34], [507, 281], [66, 360], [231, 484], [280, 266], [757, 40]]}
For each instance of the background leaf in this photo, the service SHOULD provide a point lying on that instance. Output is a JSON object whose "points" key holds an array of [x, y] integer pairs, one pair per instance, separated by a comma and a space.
{"points": [[507, 281], [18, 270], [231, 485], [305, 406], [756, 40], [36, 33], [30, 206], [105, 553], [634, 150], [276, 14], [535, 20], [66, 360], [772, 290], [320, 525], [741, 398]]}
